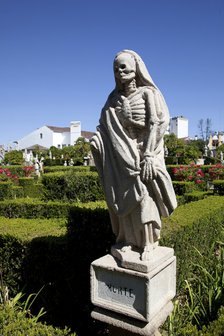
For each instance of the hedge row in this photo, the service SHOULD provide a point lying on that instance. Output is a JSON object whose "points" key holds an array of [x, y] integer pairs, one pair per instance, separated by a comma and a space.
{"points": [[33, 208], [218, 187], [78, 187], [53, 169], [61, 264], [27, 187]]}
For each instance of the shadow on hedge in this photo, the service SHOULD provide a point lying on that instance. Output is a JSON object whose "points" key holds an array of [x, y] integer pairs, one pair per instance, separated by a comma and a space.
{"points": [[61, 265]]}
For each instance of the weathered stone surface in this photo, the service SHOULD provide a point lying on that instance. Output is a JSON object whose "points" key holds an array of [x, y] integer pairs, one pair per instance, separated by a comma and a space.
{"points": [[135, 294], [128, 151], [131, 325]]}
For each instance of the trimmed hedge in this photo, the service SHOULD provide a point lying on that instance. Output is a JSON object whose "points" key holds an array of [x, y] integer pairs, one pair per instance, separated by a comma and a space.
{"points": [[196, 196], [72, 187], [33, 208], [5, 189], [61, 264], [182, 187], [15, 235], [196, 225], [218, 187], [54, 169]]}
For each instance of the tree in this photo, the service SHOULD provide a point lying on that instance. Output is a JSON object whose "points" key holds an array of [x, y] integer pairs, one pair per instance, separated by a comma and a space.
{"points": [[204, 127], [56, 152], [14, 157], [82, 149], [184, 152]]}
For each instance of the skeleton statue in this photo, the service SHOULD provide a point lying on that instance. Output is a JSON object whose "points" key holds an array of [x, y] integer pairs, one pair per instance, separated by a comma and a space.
{"points": [[128, 151]]}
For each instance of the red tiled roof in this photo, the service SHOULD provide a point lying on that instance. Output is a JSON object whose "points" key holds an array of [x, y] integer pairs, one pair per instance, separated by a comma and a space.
{"points": [[87, 134]]}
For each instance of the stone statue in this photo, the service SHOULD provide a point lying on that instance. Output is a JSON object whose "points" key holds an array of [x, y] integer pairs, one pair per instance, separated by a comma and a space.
{"points": [[128, 151]]}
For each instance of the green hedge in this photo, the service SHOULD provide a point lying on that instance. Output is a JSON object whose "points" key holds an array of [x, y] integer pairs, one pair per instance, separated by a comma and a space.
{"points": [[17, 192], [15, 235], [181, 187], [74, 187], [218, 187], [5, 190], [196, 195], [15, 170], [15, 322], [193, 225], [61, 263], [31, 188], [53, 169], [34, 208]]}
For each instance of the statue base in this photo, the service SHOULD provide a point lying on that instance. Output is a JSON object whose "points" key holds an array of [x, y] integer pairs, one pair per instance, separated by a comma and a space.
{"points": [[131, 259], [133, 327], [136, 301]]}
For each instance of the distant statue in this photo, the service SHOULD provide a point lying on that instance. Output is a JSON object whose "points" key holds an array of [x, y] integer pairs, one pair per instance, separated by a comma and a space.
{"points": [[128, 151], [37, 167], [41, 164]]}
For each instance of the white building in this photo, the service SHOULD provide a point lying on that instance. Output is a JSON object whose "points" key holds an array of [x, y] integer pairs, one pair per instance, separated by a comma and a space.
{"points": [[179, 126], [215, 140], [47, 136]]}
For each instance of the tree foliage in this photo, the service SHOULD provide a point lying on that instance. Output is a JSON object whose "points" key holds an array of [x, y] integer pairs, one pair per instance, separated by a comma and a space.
{"points": [[14, 157]]}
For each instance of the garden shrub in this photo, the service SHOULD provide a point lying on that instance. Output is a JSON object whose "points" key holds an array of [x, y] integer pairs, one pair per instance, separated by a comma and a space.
{"points": [[5, 190], [53, 169], [18, 170], [12, 252], [218, 187], [196, 195], [193, 225], [62, 263], [72, 187], [17, 322], [26, 181], [33, 208], [15, 234], [182, 187], [196, 172], [17, 192]]}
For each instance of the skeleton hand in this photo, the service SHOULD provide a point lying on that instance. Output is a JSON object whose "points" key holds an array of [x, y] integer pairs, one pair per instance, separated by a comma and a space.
{"points": [[148, 171]]}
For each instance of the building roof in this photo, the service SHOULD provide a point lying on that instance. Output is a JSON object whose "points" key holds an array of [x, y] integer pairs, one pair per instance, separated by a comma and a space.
{"points": [[56, 129], [34, 147], [87, 134], [59, 129]]}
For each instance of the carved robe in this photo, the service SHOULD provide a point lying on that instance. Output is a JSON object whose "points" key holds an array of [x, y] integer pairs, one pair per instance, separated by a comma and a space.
{"points": [[118, 148]]}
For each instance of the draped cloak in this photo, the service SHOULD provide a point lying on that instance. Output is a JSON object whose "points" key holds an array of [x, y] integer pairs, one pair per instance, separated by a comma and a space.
{"points": [[131, 202]]}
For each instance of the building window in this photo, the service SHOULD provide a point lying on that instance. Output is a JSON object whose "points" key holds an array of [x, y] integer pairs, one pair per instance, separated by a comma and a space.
{"points": [[41, 135], [59, 146], [64, 145]]}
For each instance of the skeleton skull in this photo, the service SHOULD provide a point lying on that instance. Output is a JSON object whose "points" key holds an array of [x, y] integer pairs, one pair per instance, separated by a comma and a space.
{"points": [[124, 67]]}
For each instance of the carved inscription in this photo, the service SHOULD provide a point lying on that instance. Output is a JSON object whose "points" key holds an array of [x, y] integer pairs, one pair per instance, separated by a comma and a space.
{"points": [[121, 290]]}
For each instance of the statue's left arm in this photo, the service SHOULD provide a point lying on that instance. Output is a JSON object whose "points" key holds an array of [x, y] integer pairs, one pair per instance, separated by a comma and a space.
{"points": [[157, 118]]}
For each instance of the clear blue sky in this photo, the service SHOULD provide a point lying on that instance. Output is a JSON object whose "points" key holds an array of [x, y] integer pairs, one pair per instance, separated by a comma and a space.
{"points": [[56, 59]]}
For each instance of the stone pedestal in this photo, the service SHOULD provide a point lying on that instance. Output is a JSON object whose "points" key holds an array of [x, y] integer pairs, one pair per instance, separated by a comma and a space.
{"points": [[133, 300]]}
